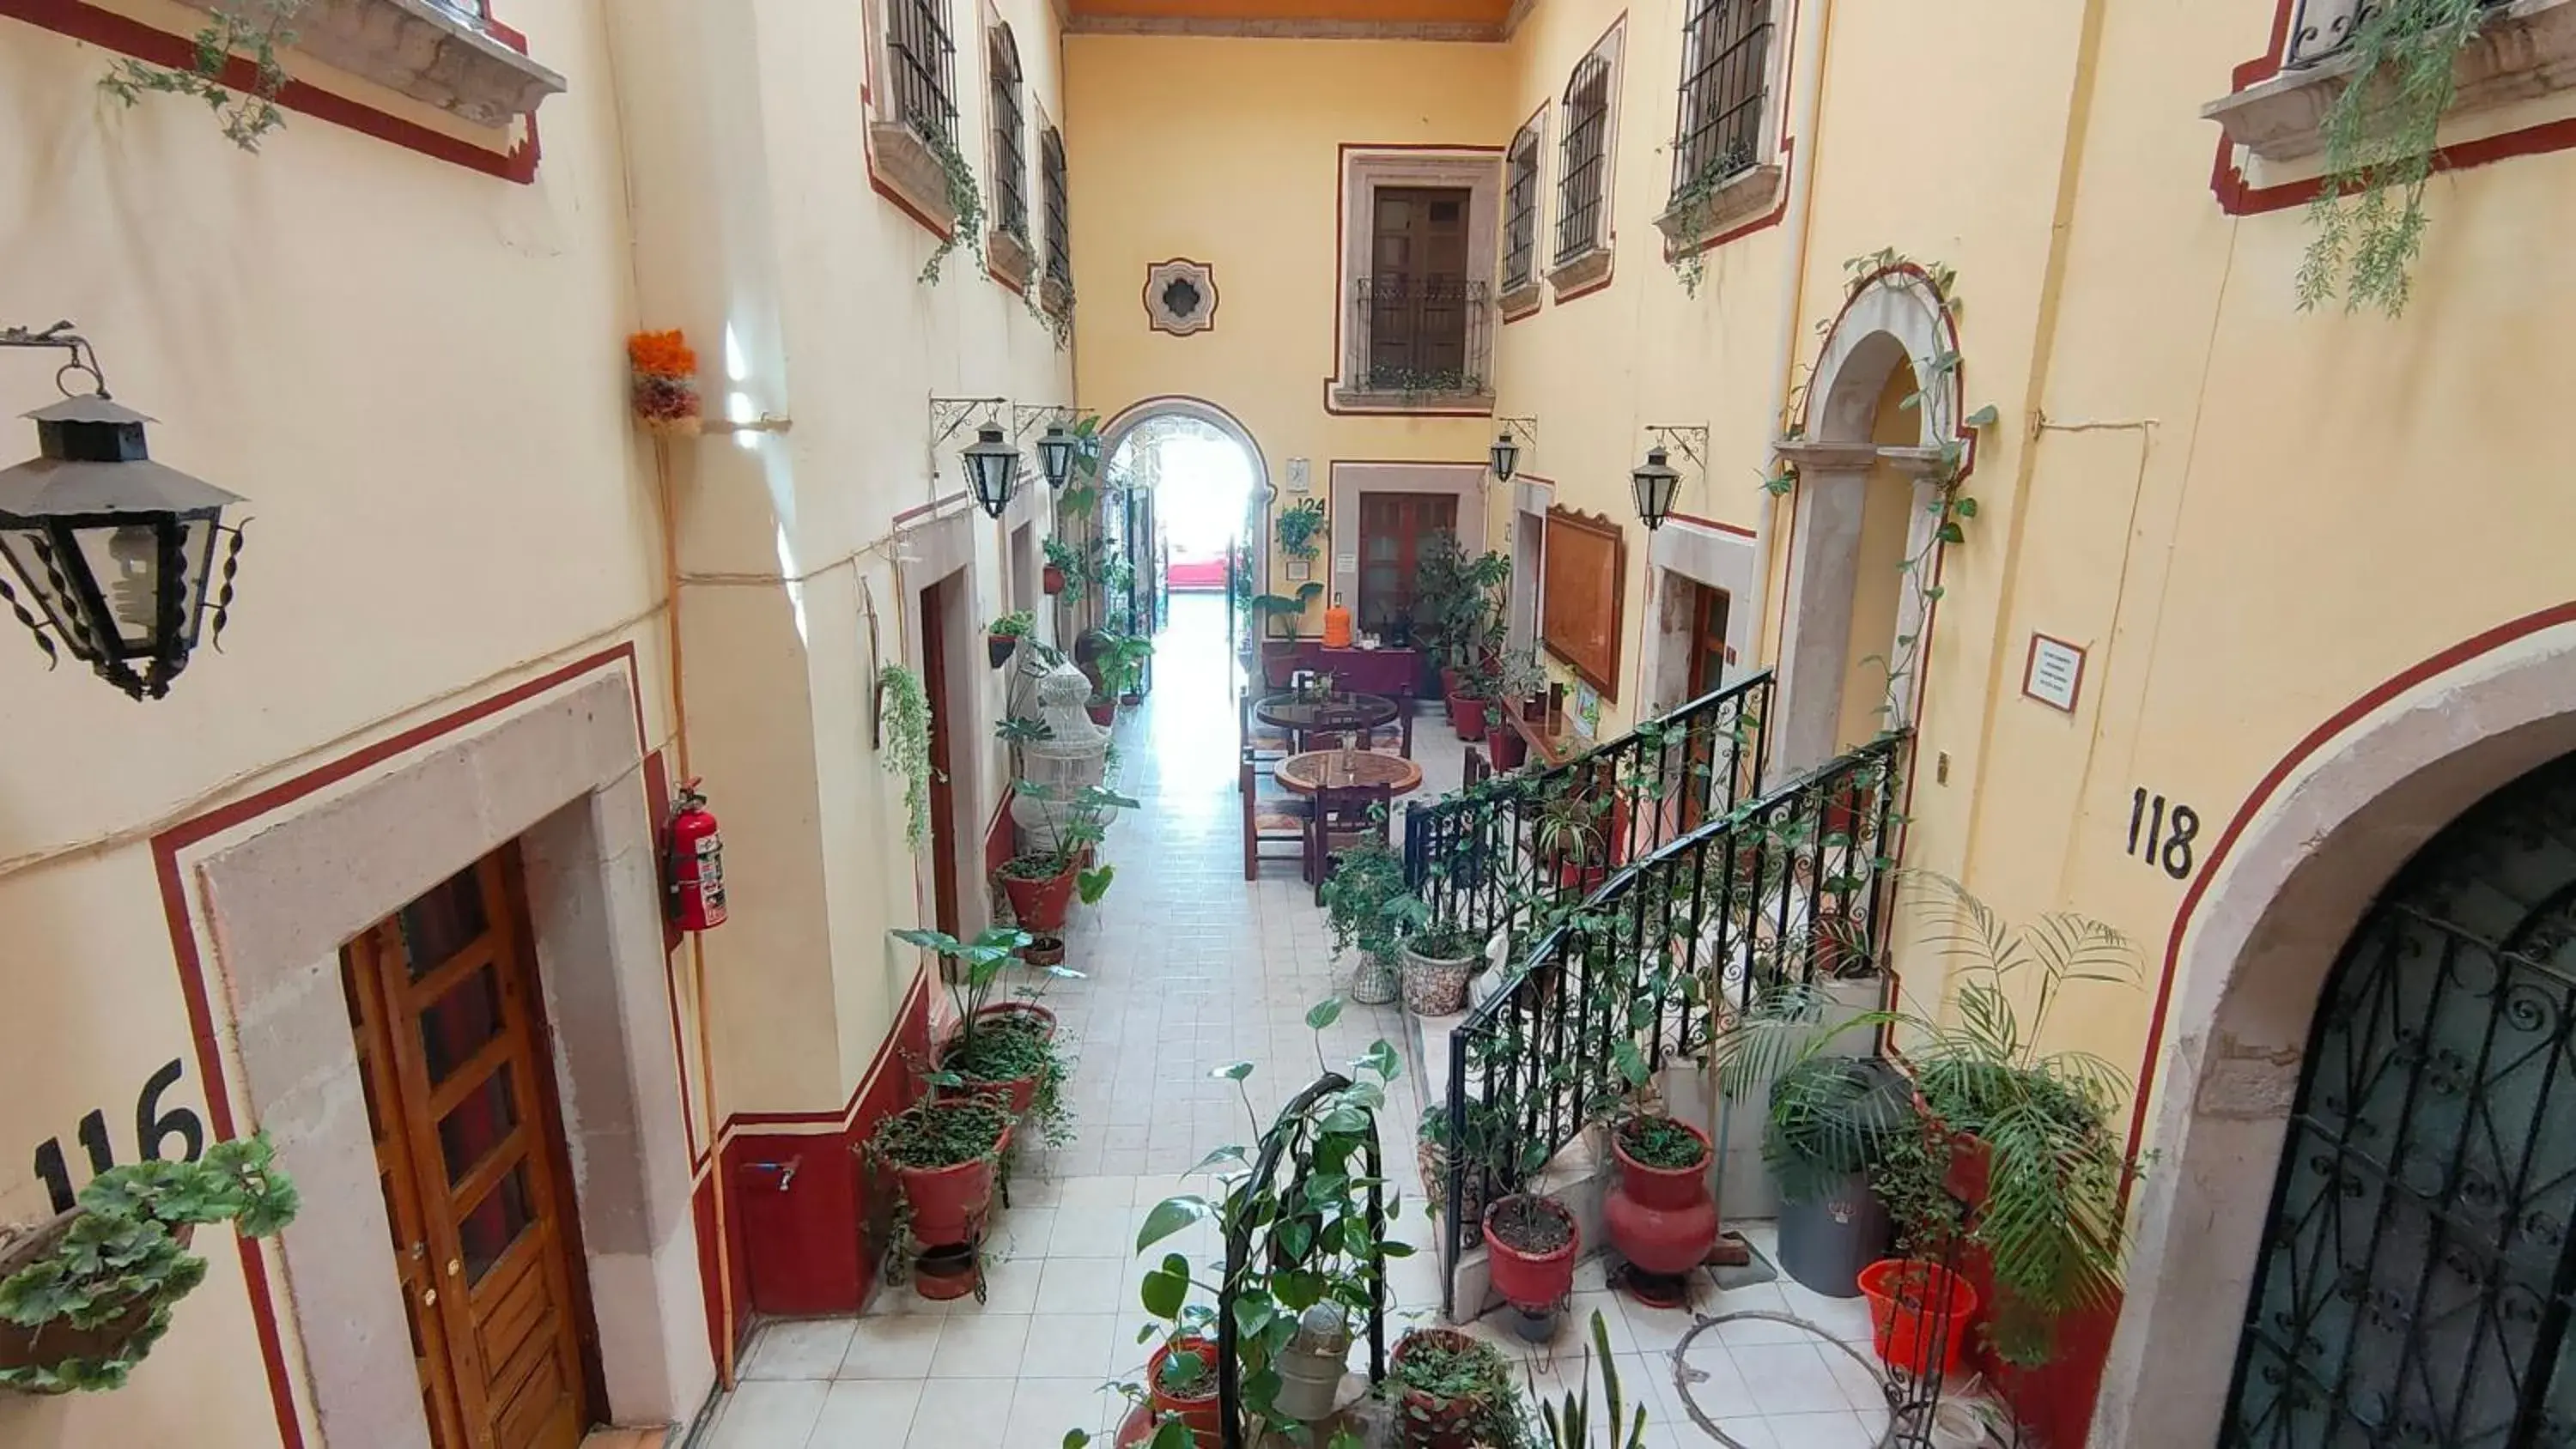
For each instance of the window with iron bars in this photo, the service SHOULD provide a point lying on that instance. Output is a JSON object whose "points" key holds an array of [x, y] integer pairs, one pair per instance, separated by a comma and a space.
{"points": [[921, 56], [1582, 180], [1726, 57], [1010, 143], [1059, 225], [1520, 210]]}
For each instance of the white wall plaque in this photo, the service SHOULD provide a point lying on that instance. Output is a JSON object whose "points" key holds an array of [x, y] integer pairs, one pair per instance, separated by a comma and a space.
{"points": [[2054, 672], [1297, 475]]}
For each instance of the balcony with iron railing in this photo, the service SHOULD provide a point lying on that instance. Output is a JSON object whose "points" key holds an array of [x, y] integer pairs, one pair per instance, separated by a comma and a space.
{"points": [[1417, 343]]}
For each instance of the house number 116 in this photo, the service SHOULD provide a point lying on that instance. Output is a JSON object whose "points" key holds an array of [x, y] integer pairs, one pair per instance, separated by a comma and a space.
{"points": [[153, 1128]]}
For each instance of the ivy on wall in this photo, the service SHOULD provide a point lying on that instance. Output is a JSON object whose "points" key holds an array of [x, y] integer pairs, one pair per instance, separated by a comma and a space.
{"points": [[255, 30]]}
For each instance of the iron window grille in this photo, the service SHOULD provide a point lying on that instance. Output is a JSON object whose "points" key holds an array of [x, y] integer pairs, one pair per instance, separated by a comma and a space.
{"points": [[922, 53], [1726, 58], [1520, 205], [1059, 227], [1421, 335], [1580, 184], [2323, 29], [1010, 133]]}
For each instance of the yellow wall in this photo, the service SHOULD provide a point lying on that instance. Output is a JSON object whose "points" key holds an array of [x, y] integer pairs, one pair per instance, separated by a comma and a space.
{"points": [[1228, 152]]}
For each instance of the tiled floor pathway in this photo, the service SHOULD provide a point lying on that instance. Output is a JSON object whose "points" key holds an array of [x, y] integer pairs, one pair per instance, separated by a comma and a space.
{"points": [[1189, 968]]}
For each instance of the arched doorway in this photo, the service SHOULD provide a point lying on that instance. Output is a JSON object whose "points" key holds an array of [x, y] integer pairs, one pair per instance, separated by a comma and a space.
{"points": [[1867, 469], [2333, 839], [2418, 1273]]}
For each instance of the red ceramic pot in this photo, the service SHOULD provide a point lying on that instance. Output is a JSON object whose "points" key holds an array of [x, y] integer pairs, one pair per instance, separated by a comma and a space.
{"points": [[1103, 712], [1423, 1422], [1468, 716], [1053, 579], [948, 1202], [1662, 1219], [1018, 1093], [1040, 903], [1531, 1282], [1203, 1415], [947, 1272], [1509, 749]]}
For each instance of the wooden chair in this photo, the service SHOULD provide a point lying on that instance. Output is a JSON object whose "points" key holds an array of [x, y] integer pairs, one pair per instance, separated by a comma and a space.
{"points": [[1402, 745], [1341, 816], [1476, 768], [1261, 743], [1271, 816]]}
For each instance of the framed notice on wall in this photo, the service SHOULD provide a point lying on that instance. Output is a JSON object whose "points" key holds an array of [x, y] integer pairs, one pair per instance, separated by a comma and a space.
{"points": [[2053, 673], [1581, 589]]}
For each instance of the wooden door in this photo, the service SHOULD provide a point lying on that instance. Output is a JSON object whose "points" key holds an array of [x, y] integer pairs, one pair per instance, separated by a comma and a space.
{"points": [[1392, 528], [1418, 288], [459, 1079], [943, 791], [1708, 638]]}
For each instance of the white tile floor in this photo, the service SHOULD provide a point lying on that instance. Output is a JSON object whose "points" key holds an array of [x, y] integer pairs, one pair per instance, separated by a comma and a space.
{"points": [[1191, 967]]}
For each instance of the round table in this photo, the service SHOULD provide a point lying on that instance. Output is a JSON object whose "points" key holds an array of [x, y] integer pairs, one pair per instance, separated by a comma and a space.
{"points": [[1348, 769], [1302, 715]]}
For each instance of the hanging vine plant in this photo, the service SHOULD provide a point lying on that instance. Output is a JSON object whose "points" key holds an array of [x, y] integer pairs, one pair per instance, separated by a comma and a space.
{"points": [[1690, 205], [907, 747], [2380, 135], [965, 198], [254, 30]]}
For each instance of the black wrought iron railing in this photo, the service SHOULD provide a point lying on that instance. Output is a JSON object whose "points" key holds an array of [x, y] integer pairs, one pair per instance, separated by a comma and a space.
{"points": [[1421, 335], [2323, 29], [1501, 853], [1792, 886], [1248, 1242]]}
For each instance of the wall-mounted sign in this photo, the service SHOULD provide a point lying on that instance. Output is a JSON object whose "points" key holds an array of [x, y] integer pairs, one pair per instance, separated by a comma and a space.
{"points": [[1297, 475], [2054, 672]]}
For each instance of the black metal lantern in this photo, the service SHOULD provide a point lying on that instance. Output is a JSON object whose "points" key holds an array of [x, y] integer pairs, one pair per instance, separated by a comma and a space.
{"points": [[1507, 456], [1655, 480], [116, 551], [992, 466], [1055, 455]]}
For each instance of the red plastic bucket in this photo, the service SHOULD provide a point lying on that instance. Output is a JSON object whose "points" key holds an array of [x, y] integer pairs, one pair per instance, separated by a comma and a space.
{"points": [[1913, 1306]]}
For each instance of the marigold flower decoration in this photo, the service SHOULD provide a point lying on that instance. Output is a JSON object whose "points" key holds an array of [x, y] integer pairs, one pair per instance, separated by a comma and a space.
{"points": [[666, 382]]}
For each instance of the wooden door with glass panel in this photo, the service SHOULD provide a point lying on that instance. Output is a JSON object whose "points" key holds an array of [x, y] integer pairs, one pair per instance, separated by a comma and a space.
{"points": [[453, 1051]]}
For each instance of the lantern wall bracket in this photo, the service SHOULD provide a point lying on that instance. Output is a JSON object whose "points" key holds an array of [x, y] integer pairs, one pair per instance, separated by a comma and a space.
{"points": [[1689, 441], [61, 336], [950, 416], [1525, 429], [1035, 416]]}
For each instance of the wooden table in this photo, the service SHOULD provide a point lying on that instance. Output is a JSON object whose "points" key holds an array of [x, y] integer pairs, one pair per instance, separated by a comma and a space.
{"points": [[1332, 714], [1347, 769]]}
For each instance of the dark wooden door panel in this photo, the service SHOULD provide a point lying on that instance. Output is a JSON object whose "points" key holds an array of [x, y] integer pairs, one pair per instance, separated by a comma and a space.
{"points": [[1392, 529], [1418, 277]]}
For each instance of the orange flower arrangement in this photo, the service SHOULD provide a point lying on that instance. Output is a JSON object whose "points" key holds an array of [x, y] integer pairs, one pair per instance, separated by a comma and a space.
{"points": [[666, 385]]}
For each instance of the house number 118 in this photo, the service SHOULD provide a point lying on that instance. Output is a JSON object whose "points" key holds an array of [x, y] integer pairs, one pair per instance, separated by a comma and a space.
{"points": [[2160, 836]]}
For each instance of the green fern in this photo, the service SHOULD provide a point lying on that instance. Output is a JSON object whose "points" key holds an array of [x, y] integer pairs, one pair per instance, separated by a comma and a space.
{"points": [[2380, 135], [907, 747]]}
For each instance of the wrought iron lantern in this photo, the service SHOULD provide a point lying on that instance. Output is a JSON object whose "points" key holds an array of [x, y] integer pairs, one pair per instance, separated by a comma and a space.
{"points": [[1507, 456], [117, 553], [992, 466], [1655, 480], [1055, 455]]}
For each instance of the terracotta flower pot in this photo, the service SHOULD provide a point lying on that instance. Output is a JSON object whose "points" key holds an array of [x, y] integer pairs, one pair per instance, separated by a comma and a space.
{"points": [[1507, 745], [1017, 1093], [1532, 1282], [1468, 717], [948, 1203], [1662, 1219], [1203, 1414], [946, 1272], [1053, 579], [1424, 1422], [1040, 903], [55, 1342], [1046, 950], [1103, 712]]}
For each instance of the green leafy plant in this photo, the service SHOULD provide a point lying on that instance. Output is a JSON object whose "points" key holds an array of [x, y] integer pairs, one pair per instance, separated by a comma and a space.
{"points": [[1298, 525], [1081, 824], [1067, 560], [907, 747], [1016, 625], [1442, 1377], [2380, 134], [119, 1264], [255, 30], [995, 1048], [1272, 609], [1689, 211], [965, 198], [1017, 729], [1121, 662], [1367, 903], [1570, 1426]]}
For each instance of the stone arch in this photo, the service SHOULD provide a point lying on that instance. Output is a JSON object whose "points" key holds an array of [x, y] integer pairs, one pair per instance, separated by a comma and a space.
{"points": [[1894, 317], [1113, 434], [2250, 953]]}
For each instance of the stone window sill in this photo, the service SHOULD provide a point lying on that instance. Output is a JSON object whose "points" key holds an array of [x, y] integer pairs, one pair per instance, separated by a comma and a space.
{"points": [[1350, 399], [2526, 49], [1055, 296], [1687, 226], [1520, 301], [1011, 259], [905, 165], [424, 50], [1579, 272]]}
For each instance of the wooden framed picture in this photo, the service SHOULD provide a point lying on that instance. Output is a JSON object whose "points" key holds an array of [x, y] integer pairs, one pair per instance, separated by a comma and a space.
{"points": [[1582, 588]]}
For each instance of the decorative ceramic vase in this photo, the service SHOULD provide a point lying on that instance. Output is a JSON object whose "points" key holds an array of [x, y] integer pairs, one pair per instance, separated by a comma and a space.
{"points": [[1434, 986], [1661, 1219]]}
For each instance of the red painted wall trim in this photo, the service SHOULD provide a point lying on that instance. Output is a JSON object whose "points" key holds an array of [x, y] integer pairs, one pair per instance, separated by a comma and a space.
{"points": [[886, 189], [87, 22], [2315, 740], [191, 968], [2239, 197]]}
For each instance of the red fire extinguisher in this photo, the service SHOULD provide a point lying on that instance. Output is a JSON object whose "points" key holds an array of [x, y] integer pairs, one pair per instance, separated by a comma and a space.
{"points": [[694, 865]]}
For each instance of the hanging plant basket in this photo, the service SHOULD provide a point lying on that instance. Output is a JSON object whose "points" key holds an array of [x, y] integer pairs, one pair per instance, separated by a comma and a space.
{"points": [[61, 1348]]}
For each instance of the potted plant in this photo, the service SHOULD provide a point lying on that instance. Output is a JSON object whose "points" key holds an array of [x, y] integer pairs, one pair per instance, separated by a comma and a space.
{"points": [[1003, 1051], [1004, 634], [1275, 609], [1452, 1392], [1122, 665], [1530, 1243], [1044, 950], [1043, 882], [85, 1294], [1570, 1426], [1063, 575], [1505, 696], [941, 1152], [1313, 1363], [1370, 911], [1438, 962], [1569, 836], [1298, 525], [1830, 1122], [1660, 1214]]}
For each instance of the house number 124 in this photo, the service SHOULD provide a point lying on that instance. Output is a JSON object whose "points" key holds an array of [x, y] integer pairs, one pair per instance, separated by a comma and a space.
{"points": [[2160, 836], [153, 1129]]}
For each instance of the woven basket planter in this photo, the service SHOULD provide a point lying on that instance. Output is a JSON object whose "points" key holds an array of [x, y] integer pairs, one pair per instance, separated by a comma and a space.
{"points": [[1373, 982]]}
